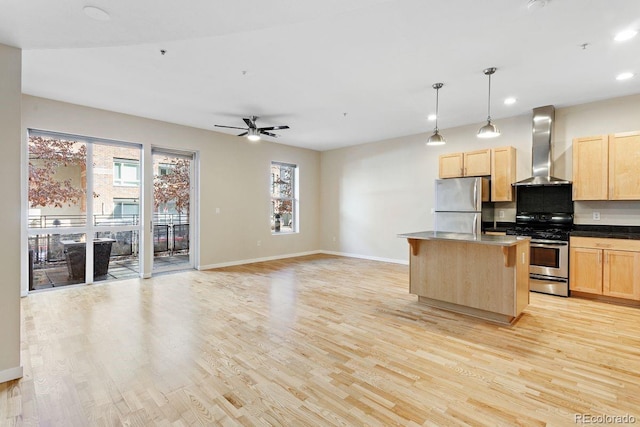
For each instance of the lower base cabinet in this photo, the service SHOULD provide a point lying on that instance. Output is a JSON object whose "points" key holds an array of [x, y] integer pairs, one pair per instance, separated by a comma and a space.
{"points": [[605, 267]]}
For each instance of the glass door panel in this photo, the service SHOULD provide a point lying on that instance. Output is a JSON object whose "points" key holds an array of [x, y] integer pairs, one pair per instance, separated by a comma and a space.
{"points": [[116, 211], [172, 178], [57, 214]]}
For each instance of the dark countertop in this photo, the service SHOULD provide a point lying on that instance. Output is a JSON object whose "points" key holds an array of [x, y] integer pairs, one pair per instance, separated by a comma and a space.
{"points": [[607, 231]]}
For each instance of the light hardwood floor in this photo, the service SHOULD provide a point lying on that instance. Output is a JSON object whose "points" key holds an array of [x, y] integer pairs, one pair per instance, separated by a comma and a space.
{"points": [[317, 340]]}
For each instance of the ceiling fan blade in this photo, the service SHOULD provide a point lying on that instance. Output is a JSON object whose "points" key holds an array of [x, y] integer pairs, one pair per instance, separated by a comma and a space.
{"points": [[243, 134], [229, 127], [274, 128], [250, 123], [273, 135]]}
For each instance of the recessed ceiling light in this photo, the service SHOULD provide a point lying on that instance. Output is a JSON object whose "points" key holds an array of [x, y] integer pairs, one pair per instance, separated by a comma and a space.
{"points": [[96, 13], [624, 76], [625, 35], [432, 117], [509, 101]]}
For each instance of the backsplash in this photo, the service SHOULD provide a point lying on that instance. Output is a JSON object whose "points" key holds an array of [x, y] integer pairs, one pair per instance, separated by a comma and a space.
{"points": [[610, 212]]}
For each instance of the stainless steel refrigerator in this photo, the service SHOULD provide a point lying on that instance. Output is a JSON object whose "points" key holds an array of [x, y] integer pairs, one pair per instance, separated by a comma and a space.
{"points": [[462, 204]]}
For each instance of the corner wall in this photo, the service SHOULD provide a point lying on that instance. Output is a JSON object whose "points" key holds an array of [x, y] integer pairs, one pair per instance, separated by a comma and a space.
{"points": [[10, 96]]}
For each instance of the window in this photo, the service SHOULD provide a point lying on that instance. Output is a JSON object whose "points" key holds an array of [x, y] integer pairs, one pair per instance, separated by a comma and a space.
{"points": [[125, 208], [165, 168], [284, 197], [126, 172]]}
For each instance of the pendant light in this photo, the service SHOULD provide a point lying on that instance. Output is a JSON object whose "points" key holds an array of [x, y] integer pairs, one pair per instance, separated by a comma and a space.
{"points": [[436, 138], [489, 130]]}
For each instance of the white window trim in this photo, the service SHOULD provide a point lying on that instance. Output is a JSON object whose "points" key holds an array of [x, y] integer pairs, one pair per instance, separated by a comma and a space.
{"points": [[294, 199]]}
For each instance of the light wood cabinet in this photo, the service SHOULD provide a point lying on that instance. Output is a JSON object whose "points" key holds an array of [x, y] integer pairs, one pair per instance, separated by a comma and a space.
{"points": [[477, 163], [591, 168], [606, 167], [472, 163], [621, 274], [503, 173], [605, 267], [624, 169], [585, 269], [451, 166]]}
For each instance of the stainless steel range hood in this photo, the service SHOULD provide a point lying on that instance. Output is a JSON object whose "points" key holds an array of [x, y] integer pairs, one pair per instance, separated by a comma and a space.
{"points": [[541, 156]]}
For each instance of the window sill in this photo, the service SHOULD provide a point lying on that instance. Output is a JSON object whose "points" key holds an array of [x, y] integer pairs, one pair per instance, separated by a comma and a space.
{"points": [[277, 233]]}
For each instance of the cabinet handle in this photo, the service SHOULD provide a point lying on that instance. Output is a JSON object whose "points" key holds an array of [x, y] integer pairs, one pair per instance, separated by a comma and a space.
{"points": [[523, 257]]}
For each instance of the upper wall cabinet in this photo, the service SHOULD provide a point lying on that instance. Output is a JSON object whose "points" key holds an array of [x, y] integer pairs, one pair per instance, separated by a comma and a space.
{"points": [[606, 168], [499, 163], [472, 163], [591, 168], [503, 173], [624, 166]]}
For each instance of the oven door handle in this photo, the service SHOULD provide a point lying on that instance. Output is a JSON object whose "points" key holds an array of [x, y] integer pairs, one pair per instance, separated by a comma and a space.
{"points": [[547, 245]]}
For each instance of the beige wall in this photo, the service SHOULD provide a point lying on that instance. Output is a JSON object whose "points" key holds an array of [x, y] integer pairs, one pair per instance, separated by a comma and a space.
{"points": [[234, 176], [10, 88], [372, 192]]}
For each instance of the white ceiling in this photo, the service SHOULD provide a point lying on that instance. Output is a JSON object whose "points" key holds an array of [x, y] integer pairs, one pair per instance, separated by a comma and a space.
{"points": [[308, 62]]}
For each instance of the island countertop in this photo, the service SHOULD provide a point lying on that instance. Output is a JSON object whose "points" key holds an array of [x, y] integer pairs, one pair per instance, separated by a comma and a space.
{"points": [[484, 239]]}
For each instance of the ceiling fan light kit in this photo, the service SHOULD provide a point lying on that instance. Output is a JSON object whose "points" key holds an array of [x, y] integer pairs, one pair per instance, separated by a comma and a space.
{"points": [[436, 138], [253, 135], [489, 130]]}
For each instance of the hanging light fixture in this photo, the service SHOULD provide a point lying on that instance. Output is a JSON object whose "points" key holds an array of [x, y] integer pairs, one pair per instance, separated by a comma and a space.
{"points": [[436, 138], [489, 130]]}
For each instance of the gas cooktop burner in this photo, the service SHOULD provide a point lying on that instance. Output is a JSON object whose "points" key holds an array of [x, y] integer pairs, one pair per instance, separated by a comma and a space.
{"points": [[551, 234], [543, 226]]}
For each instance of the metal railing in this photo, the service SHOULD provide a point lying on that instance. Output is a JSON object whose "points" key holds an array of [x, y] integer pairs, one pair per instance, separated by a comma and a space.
{"points": [[170, 234], [67, 221]]}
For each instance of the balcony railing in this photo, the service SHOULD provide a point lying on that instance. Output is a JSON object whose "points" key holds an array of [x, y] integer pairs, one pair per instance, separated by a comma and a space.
{"points": [[170, 234], [66, 221]]}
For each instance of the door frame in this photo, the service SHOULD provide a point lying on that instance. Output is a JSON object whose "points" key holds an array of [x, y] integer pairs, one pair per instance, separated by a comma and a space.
{"points": [[194, 207]]}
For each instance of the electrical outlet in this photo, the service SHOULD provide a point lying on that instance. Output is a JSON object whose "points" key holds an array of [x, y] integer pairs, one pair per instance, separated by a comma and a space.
{"points": [[433, 211], [596, 216], [259, 242], [217, 210], [501, 214], [334, 238]]}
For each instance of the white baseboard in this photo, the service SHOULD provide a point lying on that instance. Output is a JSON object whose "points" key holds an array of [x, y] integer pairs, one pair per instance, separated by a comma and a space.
{"points": [[254, 260], [272, 258], [371, 258], [10, 374]]}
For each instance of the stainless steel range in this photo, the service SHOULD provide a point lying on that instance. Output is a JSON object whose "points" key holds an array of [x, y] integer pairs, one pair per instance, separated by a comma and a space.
{"points": [[544, 212], [549, 261]]}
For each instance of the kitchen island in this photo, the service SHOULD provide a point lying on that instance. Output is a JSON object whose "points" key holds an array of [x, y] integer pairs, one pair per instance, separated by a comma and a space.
{"points": [[480, 275]]}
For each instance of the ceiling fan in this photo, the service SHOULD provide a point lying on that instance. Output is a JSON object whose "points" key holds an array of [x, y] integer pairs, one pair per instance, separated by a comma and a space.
{"points": [[252, 131]]}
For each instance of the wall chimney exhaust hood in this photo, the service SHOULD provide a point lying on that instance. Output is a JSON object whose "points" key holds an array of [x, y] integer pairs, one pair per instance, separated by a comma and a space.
{"points": [[541, 155]]}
